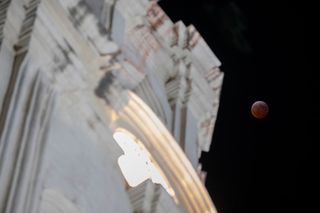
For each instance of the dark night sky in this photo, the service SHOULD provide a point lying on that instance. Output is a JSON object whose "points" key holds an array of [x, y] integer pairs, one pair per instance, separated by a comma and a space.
{"points": [[256, 165]]}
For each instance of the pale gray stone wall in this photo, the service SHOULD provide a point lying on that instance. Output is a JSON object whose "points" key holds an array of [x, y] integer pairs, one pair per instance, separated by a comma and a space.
{"points": [[75, 71]]}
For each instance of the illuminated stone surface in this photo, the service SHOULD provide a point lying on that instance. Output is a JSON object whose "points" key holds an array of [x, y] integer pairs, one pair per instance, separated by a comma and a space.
{"points": [[74, 72]]}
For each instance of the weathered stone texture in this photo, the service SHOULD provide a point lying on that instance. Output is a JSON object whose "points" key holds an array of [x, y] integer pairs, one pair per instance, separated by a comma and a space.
{"points": [[74, 73]]}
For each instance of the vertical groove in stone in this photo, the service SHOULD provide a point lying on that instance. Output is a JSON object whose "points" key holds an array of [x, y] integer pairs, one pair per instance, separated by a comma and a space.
{"points": [[3, 15]]}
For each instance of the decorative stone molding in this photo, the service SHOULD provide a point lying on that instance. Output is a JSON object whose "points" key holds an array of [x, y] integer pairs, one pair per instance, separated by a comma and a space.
{"points": [[73, 73]]}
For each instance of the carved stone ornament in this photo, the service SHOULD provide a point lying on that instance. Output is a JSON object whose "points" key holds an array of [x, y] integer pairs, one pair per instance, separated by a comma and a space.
{"points": [[106, 106]]}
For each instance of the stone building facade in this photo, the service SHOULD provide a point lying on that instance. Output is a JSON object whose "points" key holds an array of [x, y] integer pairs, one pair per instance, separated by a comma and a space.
{"points": [[106, 106]]}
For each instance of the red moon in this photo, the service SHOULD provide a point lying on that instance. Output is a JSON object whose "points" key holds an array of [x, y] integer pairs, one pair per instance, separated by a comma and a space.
{"points": [[259, 109]]}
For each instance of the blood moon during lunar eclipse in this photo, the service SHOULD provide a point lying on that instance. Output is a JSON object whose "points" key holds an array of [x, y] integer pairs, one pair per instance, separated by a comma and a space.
{"points": [[259, 109]]}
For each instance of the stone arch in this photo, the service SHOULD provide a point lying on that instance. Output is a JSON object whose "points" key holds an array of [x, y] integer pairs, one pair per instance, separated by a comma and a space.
{"points": [[136, 117]]}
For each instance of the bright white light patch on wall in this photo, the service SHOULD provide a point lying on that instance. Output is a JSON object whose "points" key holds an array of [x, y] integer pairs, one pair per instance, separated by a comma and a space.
{"points": [[136, 164]]}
